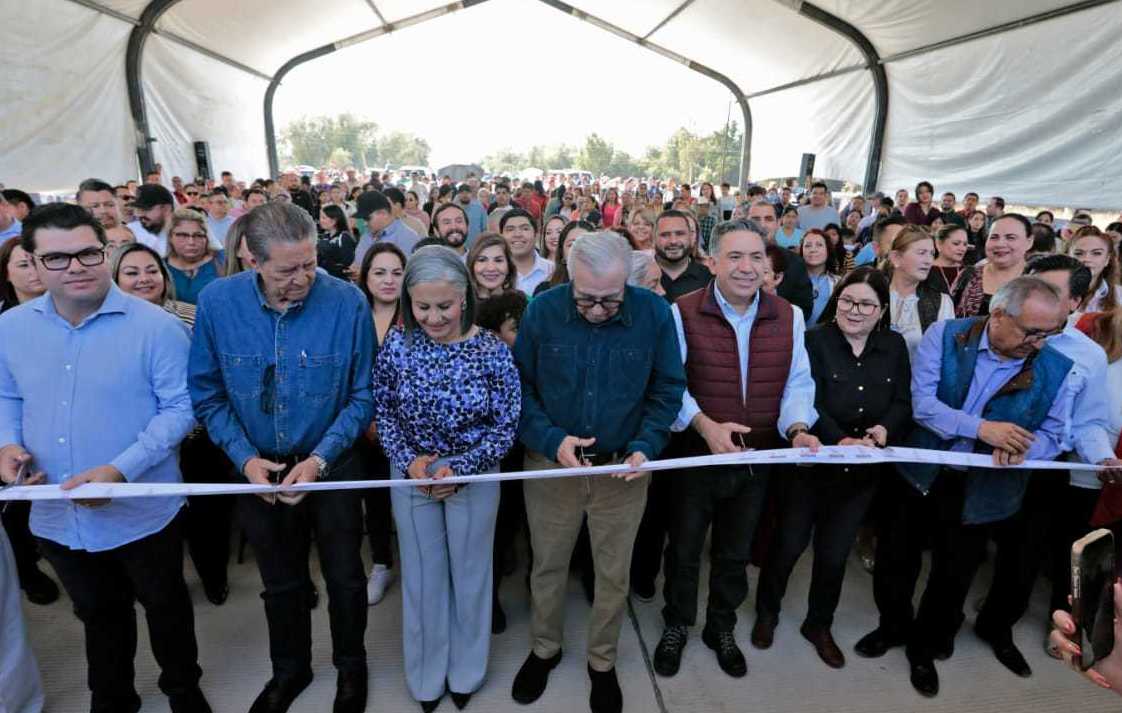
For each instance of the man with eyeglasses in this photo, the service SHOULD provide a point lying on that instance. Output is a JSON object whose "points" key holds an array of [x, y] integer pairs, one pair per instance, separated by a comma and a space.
{"points": [[280, 375], [153, 206], [107, 553], [748, 386], [601, 383], [519, 230], [218, 218], [979, 385], [97, 197]]}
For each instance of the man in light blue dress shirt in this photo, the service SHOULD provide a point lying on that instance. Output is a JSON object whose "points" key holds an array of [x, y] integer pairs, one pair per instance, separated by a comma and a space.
{"points": [[375, 209], [107, 393]]}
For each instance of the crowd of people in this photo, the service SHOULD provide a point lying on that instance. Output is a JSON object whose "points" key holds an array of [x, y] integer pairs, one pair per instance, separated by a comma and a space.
{"points": [[290, 332]]}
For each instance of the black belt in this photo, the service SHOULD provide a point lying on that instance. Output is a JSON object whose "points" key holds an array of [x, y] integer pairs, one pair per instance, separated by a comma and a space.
{"points": [[602, 458]]}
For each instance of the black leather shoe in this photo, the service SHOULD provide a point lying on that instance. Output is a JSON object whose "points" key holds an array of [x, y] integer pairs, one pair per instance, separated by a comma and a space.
{"points": [[1006, 652], [533, 677], [278, 695], [763, 632], [192, 701], [877, 642], [430, 706], [606, 696], [216, 594], [729, 656], [668, 653], [925, 679], [39, 588], [643, 591], [350, 692], [461, 699], [944, 650]]}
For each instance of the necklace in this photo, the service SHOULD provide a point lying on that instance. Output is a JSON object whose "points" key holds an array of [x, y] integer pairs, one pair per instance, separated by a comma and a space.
{"points": [[943, 275]]}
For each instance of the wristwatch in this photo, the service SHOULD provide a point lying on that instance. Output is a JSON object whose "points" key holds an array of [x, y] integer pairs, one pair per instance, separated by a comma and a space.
{"points": [[321, 466]]}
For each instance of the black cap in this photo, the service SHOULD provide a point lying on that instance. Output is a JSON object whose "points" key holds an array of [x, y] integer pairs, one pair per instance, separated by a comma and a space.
{"points": [[370, 202], [150, 195]]}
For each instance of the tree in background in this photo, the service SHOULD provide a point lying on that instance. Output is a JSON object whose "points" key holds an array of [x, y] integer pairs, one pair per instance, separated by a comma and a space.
{"points": [[349, 140]]}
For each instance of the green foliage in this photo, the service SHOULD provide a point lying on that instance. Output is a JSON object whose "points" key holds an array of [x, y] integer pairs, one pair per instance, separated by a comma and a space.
{"points": [[347, 140]]}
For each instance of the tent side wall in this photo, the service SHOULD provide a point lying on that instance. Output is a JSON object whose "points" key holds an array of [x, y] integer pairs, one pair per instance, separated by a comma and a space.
{"points": [[65, 110]]}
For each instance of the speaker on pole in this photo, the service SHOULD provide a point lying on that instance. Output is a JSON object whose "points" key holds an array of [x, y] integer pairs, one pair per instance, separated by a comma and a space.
{"points": [[806, 169], [202, 159]]}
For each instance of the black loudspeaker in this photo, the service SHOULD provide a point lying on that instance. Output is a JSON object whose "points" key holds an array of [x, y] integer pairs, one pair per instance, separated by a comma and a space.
{"points": [[202, 159], [806, 170]]}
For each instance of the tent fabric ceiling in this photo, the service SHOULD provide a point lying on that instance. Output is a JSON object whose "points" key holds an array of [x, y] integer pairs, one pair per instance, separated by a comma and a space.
{"points": [[943, 106]]}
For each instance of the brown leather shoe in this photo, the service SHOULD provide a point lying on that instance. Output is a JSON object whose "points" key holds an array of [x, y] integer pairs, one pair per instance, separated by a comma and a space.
{"points": [[763, 632], [824, 644]]}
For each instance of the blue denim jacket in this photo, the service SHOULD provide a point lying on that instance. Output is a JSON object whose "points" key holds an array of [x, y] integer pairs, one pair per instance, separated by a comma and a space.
{"points": [[310, 367], [620, 381]]}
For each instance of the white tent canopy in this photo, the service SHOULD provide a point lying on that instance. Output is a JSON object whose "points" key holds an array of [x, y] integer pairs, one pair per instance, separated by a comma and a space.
{"points": [[1021, 99]]}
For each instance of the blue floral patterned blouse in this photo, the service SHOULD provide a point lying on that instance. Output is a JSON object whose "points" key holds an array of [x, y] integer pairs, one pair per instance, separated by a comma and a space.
{"points": [[459, 401]]}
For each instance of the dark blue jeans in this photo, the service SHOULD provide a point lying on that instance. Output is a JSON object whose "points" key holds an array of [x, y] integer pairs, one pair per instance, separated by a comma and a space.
{"points": [[730, 499], [281, 538], [104, 587]]}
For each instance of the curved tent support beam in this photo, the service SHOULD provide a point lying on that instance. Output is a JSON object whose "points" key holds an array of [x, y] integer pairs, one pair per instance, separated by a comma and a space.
{"points": [[384, 29], [880, 80], [741, 98], [137, 38]]}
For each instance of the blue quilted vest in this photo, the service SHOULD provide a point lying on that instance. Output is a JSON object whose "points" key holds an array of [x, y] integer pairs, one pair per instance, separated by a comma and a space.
{"points": [[1025, 400]]}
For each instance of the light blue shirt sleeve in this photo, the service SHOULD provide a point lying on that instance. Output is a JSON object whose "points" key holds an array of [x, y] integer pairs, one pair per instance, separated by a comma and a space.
{"points": [[689, 403], [174, 419], [1049, 437], [11, 405], [1086, 429], [797, 404], [930, 412]]}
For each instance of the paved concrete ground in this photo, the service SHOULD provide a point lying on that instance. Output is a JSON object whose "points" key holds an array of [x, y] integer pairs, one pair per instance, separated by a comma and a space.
{"points": [[788, 678]]}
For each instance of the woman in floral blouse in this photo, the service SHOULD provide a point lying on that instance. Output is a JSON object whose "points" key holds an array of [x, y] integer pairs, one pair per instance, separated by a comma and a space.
{"points": [[448, 400]]}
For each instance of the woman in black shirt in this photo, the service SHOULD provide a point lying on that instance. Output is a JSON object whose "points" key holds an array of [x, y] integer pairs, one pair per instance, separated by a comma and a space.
{"points": [[862, 384]]}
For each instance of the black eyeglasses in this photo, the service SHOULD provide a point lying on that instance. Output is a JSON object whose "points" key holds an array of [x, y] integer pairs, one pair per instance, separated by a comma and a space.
{"points": [[606, 303], [189, 236], [864, 309], [269, 390], [55, 262]]}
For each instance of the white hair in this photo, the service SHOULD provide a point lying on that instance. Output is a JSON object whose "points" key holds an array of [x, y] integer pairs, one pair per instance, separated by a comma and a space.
{"points": [[602, 253], [1010, 298], [641, 261]]}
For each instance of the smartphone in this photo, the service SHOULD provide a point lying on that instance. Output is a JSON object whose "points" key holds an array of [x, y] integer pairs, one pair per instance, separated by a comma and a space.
{"points": [[1092, 596]]}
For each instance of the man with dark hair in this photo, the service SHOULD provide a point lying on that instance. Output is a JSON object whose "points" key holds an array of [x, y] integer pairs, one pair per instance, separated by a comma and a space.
{"points": [[502, 204], [818, 213], [10, 227], [153, 178], [153, 207], [673, 244], [397, 207], [450, 224], [796, 287], [20, 201], [994, 210], [884, 232], [969, 205], [97, 197], [979, 384], [727, 201], [108, 554], [377, 211], [518, 230], [288, 408], [476, 213], [948, 213], [1043, 241], [723, 330]]}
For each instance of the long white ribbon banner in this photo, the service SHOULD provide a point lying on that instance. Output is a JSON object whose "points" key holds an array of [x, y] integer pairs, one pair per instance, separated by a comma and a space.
{"points": [[827, 455]]}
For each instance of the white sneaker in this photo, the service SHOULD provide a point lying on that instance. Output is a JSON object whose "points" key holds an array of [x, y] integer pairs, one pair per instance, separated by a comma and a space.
{"points": [[380, 580]]}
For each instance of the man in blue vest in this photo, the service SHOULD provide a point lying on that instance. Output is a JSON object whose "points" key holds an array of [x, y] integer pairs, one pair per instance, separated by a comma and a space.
{"points": [[979, 385]]}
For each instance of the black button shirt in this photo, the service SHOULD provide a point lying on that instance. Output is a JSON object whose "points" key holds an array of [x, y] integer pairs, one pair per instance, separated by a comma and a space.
{"points": [[852, 393], [695, 277]]}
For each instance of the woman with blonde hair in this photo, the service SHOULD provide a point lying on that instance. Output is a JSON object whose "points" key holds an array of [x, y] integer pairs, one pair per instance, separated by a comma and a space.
{"points": [[1095, 250], [642, 227], [191, 262], [914, 304]]}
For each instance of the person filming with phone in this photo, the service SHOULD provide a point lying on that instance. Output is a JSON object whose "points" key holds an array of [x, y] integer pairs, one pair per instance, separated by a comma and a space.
{"points": [[748, 386], [280, 375]]}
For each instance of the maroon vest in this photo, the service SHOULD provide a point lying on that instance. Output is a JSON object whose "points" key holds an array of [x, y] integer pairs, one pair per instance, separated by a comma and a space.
{"points": [[713, 367]]}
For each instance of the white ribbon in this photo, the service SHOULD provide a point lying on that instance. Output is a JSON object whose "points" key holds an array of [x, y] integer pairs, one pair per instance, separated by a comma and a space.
{"points": [[827, 455]]}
